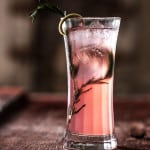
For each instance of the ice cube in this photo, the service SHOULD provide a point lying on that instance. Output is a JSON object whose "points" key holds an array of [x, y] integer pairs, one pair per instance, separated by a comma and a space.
{"points": [[96, 24], [82, 37], [94, 62]]}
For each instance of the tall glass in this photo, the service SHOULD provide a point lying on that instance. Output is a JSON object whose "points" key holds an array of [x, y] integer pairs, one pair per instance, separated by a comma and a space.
{"points": [[90, 51]]}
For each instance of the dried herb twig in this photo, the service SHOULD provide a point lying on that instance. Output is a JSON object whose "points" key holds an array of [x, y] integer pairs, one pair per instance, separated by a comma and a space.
{"points": [[47, 6], [80, 91]]}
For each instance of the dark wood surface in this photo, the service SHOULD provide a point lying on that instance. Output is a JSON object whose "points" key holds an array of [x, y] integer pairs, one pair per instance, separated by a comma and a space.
{"points": [[40, 123]]}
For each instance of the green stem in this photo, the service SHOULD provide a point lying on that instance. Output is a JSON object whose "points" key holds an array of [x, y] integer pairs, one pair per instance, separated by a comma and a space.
{"points": [[47, 6]]}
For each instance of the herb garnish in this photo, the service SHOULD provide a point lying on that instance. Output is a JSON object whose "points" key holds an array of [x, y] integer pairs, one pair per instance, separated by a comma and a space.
{"points": [[47, 6]]}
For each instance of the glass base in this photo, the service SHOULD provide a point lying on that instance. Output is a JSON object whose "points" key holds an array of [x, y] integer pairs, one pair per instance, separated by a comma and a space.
{"points": [[82, 142]]}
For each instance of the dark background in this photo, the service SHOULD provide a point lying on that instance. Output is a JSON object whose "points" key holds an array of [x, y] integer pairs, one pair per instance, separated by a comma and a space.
{"points": [[32, 55]]}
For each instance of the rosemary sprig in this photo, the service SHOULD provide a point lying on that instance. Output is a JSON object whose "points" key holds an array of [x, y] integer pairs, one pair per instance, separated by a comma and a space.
{"points": [[46, 6], [76, 111], [80, 91]]}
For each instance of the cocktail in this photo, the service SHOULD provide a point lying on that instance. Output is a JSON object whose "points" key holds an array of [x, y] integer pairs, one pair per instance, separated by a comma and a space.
{"points": [[90, 45], [90, 53]]}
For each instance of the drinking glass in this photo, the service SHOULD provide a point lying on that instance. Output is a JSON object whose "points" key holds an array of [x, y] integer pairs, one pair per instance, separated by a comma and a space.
{"points": [[90, 45]]}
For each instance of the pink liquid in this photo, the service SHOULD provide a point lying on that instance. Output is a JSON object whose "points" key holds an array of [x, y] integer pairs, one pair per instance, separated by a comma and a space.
{"points": [[91, 110], [96, 118]]}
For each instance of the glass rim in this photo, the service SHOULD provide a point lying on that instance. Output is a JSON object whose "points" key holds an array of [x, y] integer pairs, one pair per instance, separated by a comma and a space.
{"points": [[108, 22], [96, 18]]}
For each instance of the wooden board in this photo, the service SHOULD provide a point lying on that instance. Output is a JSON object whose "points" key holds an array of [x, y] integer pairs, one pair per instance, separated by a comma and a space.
{"points": [[40, 125]]}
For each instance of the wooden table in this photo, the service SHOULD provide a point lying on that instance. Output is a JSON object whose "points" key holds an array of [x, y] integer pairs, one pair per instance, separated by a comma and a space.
{"points": [[38, 123]]}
